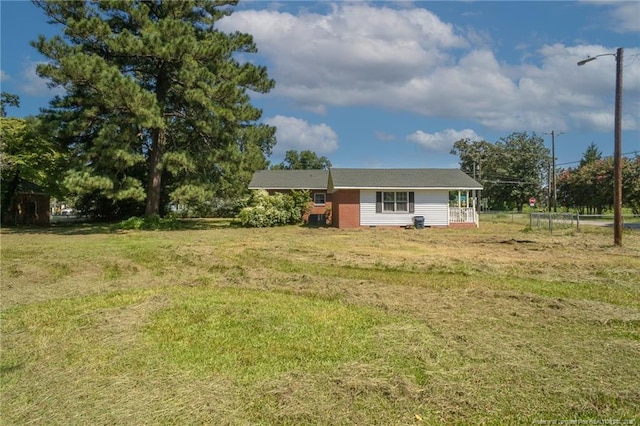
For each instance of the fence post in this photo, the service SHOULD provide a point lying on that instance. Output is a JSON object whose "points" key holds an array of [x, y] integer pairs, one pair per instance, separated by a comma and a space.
{"points": [[578, 222]]}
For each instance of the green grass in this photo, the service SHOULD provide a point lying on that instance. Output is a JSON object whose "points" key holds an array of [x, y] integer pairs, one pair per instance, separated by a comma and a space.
{"points": [[210, 324]]}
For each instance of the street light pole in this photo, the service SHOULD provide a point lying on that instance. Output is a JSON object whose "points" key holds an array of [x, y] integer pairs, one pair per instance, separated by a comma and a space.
{"points": [[617, 147]]}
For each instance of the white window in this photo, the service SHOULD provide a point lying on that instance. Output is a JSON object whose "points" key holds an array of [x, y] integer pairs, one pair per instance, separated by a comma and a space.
{"points": [[319, 198], [395, 201], [389, 201]]}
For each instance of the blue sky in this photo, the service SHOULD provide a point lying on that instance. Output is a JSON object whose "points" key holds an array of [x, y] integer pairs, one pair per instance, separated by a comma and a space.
{"points": [[395, 84]]}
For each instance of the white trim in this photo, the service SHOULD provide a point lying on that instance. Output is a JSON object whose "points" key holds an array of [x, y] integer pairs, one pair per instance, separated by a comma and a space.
{"points": [[287, 188], [405, 188], [324, 203]]}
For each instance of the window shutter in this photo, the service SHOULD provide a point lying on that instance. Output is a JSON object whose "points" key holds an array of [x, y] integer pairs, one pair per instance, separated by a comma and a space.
{"points": [[378, 202], [412, 202]]}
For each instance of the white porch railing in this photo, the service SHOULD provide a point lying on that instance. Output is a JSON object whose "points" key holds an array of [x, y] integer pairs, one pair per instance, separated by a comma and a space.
{"points": [[463, 215]]}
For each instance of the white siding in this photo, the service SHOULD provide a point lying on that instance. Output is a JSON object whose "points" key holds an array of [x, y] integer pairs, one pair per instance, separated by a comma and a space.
{"points": [[433, 205]]}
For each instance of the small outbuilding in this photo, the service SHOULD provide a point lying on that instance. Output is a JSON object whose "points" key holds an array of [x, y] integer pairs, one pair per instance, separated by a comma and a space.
{"points": [[28, 204]]}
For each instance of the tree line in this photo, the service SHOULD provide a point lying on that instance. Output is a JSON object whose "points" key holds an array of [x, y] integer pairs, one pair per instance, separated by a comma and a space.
{"points": [[157, 112], [588, 188], [518, 167]]}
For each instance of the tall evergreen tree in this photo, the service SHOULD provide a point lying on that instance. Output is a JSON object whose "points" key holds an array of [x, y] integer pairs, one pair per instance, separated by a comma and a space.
{"points": [[590, 155], [8, 99], [155, 94]]}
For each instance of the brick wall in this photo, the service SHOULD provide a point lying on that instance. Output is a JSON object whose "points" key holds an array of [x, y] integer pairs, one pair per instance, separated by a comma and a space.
{"points": [[346, 208]]}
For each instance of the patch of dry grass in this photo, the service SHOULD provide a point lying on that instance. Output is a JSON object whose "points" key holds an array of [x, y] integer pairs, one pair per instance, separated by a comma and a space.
{"points": [[318, 326]]}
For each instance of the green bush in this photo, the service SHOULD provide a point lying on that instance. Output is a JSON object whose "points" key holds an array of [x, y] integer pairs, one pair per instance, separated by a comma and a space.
{"points": [[154, 222], [266, 210]]}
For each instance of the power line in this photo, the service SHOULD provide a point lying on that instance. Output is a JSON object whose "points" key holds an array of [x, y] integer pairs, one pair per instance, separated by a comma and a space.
{"points": [[608, 156], [508, 180]]}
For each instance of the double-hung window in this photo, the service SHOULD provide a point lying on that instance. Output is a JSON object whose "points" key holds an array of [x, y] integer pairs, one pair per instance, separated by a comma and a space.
{"points": [[392, 202], [389, 201], [319, 198]]}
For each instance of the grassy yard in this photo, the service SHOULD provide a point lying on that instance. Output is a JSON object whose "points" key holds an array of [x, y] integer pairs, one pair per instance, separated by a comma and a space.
{"points": [[213, 324]]}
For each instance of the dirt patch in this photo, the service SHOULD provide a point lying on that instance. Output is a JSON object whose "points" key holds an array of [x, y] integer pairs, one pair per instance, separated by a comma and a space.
{"points": [[514, 241]]}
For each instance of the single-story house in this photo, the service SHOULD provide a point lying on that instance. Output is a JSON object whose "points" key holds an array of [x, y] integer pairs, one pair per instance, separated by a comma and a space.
{"points": [[381, 197], [395, 197], [314, 181]]}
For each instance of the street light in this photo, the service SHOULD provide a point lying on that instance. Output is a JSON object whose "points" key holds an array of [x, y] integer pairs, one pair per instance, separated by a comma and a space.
{"points": [[617, 150]]}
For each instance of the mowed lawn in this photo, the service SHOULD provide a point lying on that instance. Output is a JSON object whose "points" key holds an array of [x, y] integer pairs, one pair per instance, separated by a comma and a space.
{"points": [[214, 324]]}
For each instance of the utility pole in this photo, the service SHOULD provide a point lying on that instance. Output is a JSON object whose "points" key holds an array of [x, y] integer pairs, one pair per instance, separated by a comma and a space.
{"points": [[479, 180], [476, 194], [549, 194], [617, 153], [617, 146], [476, 206], [553, 171]]}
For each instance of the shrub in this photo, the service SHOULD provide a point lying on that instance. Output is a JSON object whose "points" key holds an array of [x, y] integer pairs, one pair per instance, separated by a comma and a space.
{"points": [[275, 210], [149, 223]]}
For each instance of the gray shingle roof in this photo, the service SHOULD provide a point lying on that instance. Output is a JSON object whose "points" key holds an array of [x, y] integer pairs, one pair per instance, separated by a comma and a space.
{"points": [[289, 179], [401, 178]]}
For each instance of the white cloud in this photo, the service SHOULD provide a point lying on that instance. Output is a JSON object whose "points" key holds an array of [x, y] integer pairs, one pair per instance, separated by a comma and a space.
{"points": [[579, 97], [602, 120], [295, 133], [353, 43], [627, 16], [4, 76], [408, 59], [441, 142], [33, 85]]}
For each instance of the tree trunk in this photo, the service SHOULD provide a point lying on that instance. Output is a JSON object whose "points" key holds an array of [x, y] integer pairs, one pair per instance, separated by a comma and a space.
{"points": [[155, 174], [158, 142], [8, 215]]}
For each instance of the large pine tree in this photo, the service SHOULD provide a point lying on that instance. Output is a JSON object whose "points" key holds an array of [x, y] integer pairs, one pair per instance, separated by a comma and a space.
{"points": [[156, 99]]}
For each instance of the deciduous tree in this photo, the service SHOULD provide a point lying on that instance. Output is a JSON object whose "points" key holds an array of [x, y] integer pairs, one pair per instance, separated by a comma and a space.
{"points": [[588, 188], [511, 170], [305, 160], [26, 152]]}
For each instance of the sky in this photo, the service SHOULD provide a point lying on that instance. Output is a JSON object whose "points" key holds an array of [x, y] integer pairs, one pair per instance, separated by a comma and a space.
{"points": [[394, 84]]}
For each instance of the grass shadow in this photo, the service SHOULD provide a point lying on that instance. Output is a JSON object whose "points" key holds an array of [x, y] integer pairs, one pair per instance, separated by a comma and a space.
{"points": [[93, 228]]}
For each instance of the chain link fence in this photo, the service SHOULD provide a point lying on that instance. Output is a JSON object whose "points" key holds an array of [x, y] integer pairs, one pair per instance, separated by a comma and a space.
{"points": [[556, 221], [551, 221]]}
